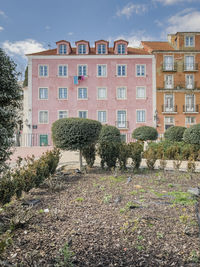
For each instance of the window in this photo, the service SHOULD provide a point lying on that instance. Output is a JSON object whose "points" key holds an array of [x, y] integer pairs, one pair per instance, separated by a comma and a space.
{"points": [[121, 93], [169, 122], [43, 70], [62, 114], [141, 115], [189, 81], [190, 120], [169, 103], [101, 48], [168, 63], [62, 70], [43, 116], [121, 48], [101, 70], [102, 116], [82, 114], [82, 49], [62, 49], [140, 70], [169, 81], [189, 62], [190, 103], [189, 41], [62, 93], [82, 70], [43, 93], [121, 119], [102, 93], [82, 93], [121, 70], [140, 92]]}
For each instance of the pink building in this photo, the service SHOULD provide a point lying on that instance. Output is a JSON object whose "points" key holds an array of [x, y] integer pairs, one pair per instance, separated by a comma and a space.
{"points": [[113, 85]]}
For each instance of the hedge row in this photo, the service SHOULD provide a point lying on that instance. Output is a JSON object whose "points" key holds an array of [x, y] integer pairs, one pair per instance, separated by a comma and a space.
{"points": [[28, 176]]}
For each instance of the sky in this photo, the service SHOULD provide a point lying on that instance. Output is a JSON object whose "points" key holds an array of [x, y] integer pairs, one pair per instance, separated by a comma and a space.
{"points": [[28, 26]]}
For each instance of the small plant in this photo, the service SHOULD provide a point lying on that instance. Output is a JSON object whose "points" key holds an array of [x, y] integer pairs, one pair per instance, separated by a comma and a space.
{"points": [[124, 153], [107, 198], [194, 256], [64, 259], [159, 235], [135, 150], [151, 156], [191, 164], [79, 199], [184, 218]]}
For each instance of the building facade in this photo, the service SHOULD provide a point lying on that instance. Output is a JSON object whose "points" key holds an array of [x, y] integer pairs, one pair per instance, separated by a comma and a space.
{"points": [[177, 79], [114, 85]]}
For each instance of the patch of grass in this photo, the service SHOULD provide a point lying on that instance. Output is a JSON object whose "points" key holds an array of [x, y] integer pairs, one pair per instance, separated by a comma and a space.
{"points": [[182, 198], [194, 256], [139, 247], [184, 218], [159, 235], [140, 237], [142, 190], [171, 185], [79, 199], [134, 192], [107, 198], [117, 179]]}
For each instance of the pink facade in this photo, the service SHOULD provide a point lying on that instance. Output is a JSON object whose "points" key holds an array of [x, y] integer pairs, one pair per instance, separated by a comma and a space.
{"points": [[138, 93]]}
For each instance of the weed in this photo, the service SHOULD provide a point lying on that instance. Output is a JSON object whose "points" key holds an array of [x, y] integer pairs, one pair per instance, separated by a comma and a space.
{"points": [[142, 190], [122, 210], [184, 218], [159, 235], [194, 256], [140, 237], [134, 192], [79, 199], [64, 259], [182, 198], [139, 247], [170, 185], [107, 198]]}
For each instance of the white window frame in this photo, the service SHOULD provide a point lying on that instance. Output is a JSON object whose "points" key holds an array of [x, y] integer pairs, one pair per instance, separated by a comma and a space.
{"points": [[136, 66], [117, 93], [165, 81], [43, 65], [82, 74], [121, 65], [62, 111], [169, 109], [191, 67], [82, 111], [168, 123], [102, 65], [137, 87], [123, 123], [39, 93], [190, 123], [189, 42], [81, 50], [39, 117], [59, 93], [98, 93], [190, 110], [101, 49], [191, 86], [172, 64], [139, 110], [120, 49], [103, 122], [62, 49], [63, 65], [78, 93]]}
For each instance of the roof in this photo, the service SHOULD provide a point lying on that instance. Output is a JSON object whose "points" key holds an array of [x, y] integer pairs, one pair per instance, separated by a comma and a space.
{"points": [[160, 46]]}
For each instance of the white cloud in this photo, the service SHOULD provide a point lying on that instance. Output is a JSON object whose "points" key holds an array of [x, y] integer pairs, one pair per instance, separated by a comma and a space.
{"points": [[1, 28], [47, 28], [131, 8], [172, 2], [186, 20], [20, 48], [70, 33], [2, 13]]}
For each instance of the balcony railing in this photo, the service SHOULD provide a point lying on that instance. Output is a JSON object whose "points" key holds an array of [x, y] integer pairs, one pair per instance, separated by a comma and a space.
{"points": [[191, 67], [190, 108], [169, 66], [169, 109], [180, 86], [122, 124]]}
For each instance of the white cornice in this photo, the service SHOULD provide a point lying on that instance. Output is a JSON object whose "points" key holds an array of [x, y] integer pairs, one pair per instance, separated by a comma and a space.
{"points": [[91, 57]]}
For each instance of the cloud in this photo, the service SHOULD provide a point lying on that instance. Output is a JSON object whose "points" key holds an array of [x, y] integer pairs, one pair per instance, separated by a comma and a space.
{"points": [[70, 33], [186, 20], [1, 28], [2, 13], [20, 48], [47, 28], [131, 8], [172, 2]]}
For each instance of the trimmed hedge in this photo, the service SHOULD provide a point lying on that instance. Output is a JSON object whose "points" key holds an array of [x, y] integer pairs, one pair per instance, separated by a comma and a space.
{"points": [[175, 133], [192, 135], [145, 133], [135, 150]]}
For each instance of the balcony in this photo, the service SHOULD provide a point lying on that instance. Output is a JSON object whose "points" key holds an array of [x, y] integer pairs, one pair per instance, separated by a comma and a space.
{"points": [[190, 67], [190, 108], [122, 124], [169, 109], [179, 86], [169, 67]]}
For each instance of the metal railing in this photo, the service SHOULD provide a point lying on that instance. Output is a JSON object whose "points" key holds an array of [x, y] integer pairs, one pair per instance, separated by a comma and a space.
{"points": [[169, 66], [169, 109], [190, 67], [190, 108], [39, 139], [122, 124]]}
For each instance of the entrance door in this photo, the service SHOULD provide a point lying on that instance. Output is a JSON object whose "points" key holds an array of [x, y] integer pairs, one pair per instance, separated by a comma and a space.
{"points": [[43, 140]]}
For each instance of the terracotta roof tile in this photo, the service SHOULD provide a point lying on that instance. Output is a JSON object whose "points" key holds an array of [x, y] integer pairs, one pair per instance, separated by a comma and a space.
{"points": [[157, 46]]}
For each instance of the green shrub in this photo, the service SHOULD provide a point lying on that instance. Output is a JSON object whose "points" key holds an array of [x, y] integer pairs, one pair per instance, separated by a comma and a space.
{"points": [[173, 151], [135, 154], [89, 154], [151, 156], [7, 189], [192, 135], [108, 146], [124, 153], [175, 133], [145, 133]]}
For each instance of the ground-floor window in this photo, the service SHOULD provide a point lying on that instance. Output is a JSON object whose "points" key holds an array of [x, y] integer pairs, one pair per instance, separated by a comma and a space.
{"points": [[168, 122]]}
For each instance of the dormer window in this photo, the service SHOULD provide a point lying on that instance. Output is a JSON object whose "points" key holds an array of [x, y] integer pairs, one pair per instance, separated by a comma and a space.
{"points": [[189, 41], [82, 49], [121, 48], [101, 48], [62, 49]]}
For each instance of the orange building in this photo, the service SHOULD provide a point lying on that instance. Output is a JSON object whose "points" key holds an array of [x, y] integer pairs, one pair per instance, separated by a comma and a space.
{"points": [[177, 79]]}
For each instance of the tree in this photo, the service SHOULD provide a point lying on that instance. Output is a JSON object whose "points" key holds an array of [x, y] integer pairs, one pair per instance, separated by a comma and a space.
{"points": [[10, 96], [175, 133], [145, 133], [75, 134], [25, 82]]}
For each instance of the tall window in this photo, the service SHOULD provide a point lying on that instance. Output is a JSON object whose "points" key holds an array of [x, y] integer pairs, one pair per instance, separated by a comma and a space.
{"points": [[62, 93], [169, 81], [121, 70], [189, 81], [82, 114], [62, 70], [190, 103], [140, 116], [189, 62], [43, 70], [189, 41], [82, 49], [43, 116], [102, 116], [82, 93], [62, 49], [121, 93], [140, 70], [43, 93], [169, 122], [101, 48], [169, 102], [101, 70], [121, 119], [140, 92], [168, 63], [102, 93], [82, 70], [121, 48], [62, 114]]}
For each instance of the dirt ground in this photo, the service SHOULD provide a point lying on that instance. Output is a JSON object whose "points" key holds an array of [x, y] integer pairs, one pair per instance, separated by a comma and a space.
{"points": [[104, 219]]}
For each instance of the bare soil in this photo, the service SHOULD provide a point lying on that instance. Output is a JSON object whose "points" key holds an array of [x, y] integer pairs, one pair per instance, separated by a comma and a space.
{"points": [[104, 219]]}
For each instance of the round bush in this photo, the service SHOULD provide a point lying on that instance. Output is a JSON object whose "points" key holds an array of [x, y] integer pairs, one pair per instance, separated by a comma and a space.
{"points": [[192, 135], [145, 133], [175, 133]]}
